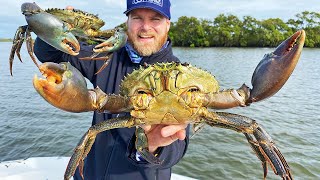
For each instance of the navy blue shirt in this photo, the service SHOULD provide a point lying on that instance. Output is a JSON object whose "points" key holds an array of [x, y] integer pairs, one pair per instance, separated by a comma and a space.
{"points": [[112, 156]]}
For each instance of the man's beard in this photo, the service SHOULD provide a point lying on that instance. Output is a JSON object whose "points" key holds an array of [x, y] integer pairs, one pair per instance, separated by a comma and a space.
{"points": [[147, 49]]}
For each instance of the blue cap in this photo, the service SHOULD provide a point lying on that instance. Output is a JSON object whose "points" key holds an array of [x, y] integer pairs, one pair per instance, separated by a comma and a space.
{"points": [[161, 6]]}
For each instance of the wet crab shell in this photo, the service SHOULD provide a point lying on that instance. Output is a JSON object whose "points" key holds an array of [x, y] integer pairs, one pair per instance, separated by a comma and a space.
{"points": [[177, 77], [77, 18]]}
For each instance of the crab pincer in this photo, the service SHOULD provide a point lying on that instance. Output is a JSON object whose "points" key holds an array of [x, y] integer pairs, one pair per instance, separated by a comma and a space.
{"points": [[50, 29], [110, 45], [65, 88], [62, 81], [275, 68]]}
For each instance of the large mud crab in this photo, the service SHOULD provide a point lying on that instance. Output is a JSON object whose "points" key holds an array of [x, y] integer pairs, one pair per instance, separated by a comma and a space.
{"points": [[172, 93], [62, 28]]}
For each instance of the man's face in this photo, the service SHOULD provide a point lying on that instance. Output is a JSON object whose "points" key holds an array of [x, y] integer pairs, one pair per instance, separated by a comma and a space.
{"points": [[147, 31]]}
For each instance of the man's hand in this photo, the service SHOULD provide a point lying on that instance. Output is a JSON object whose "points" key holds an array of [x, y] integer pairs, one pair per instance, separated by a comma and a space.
{"points": [[69, 8], [163, 135]]}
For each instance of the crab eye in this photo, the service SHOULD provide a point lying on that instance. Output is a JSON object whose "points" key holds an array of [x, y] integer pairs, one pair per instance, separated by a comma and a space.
{"points": [[194, 89], [142, 92]]}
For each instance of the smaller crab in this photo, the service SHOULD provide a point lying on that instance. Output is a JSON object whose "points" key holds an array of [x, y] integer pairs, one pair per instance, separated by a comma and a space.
{"points": [[174, 93], [62, 28]]}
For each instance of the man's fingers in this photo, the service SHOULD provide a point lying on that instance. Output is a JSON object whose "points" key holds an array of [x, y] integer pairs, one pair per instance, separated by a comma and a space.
{"points": [[163, 135], [69, 7], [172, 129], [181, 135], [146, 127]]}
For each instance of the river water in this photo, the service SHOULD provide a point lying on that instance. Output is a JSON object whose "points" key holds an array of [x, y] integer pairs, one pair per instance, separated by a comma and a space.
{"points": [[30, 127]]}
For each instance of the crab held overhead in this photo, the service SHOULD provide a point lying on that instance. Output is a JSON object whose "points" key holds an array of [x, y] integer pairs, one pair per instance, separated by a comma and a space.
{"points": [[62, 28], [173, 93]]}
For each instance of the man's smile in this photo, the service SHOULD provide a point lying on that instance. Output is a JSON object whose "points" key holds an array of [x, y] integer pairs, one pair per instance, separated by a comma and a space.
{"points": [[145, 38]]}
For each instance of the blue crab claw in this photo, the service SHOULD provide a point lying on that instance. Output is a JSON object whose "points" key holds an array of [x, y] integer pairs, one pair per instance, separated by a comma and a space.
{"points": [[50, 29], [115, 42], [275, 68]]}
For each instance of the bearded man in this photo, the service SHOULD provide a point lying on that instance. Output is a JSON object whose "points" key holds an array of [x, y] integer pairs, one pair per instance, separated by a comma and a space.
{"points": [[113, 155]]}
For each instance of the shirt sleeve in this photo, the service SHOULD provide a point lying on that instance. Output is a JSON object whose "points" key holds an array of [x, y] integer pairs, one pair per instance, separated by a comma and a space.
{"points": [[47, 53]]}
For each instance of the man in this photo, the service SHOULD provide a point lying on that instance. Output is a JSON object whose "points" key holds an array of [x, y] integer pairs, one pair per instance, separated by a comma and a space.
{"points": [[113, 155]]}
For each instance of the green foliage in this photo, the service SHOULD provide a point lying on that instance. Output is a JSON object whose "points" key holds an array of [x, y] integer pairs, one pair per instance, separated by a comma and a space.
{"points": [[230, 31], [5, 40]]}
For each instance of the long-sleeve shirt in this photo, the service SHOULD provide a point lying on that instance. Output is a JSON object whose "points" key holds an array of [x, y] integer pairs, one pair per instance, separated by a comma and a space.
{"points": [[113, 154]]}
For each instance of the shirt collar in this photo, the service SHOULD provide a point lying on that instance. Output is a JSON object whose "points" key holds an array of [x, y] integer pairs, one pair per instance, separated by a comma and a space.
{"points": [[134, 56]]}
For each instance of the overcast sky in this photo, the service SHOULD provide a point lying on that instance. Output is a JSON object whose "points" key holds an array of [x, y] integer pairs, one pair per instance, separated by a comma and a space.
{"points": [[111, 11]]}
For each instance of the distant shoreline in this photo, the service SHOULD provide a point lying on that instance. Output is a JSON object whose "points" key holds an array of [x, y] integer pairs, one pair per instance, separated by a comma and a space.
{"points": [[6, 40], [10, 40]]}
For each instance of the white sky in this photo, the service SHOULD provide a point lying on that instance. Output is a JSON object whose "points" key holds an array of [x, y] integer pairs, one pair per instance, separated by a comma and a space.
{"points": [[111, 11]]}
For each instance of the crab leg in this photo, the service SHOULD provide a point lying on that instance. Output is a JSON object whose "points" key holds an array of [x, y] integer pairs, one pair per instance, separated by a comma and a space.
{"points": [[86, 142], [23, 33], [141, 145], [17, 43], [226, 98], [29, 43], [258, 138], [107, 60], [18, 49], [107, 32]]}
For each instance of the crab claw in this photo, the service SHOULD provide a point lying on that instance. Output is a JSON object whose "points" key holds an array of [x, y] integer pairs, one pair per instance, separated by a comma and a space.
{"points": [[64, 87], [115, 42], [50, 29], [275, 68]]}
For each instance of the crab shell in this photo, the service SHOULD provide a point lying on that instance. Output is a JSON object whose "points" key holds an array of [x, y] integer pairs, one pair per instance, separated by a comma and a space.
{"points": [[77, 18], [161, 93]]}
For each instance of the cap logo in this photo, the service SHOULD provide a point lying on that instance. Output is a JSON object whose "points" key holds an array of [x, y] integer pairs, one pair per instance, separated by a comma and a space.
{"points": [[156, 2]]}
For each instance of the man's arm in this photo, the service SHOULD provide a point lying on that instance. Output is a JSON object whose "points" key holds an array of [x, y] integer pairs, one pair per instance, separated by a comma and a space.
{"points": [[47, 53]]}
